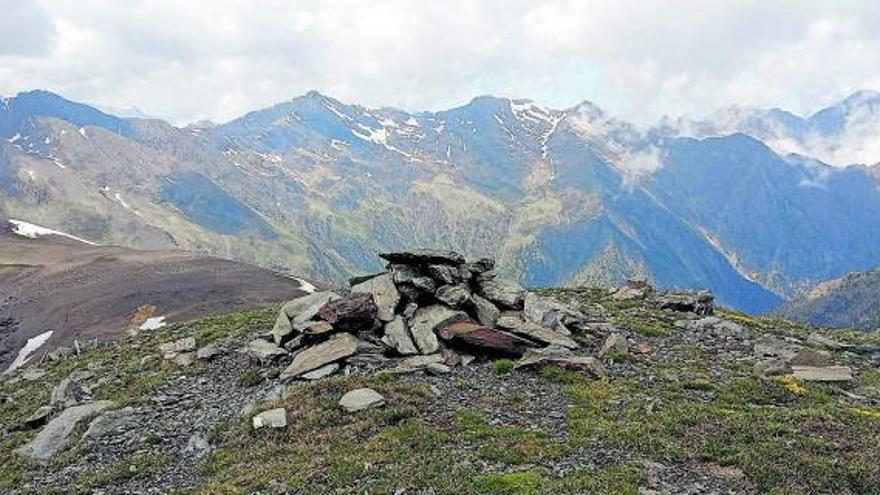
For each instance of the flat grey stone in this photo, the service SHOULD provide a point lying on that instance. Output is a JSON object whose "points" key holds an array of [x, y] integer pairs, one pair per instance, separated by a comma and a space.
{"points": [[360, 399], [298, 311], [264, 350], [54, 436], [110, 422], [273, 418], [822, 373], [334, 349], [398, 337], [321, 372]]}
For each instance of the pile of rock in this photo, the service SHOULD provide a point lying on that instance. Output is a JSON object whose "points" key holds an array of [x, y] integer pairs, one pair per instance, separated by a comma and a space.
{"points": [[431, 306]]}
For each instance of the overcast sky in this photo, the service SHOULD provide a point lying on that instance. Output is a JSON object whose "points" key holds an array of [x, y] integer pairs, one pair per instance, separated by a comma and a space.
{"points": [[189, 60]]}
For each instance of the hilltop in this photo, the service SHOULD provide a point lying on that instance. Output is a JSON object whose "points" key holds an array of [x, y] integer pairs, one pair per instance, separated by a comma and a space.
{"points": [[655, 393]]}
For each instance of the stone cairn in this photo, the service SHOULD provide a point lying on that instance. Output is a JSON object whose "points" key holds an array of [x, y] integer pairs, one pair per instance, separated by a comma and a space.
{"points": [[431, 310]]}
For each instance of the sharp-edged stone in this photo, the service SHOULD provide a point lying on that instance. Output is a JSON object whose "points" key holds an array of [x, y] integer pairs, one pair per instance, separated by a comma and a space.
{"points": [[486, 312], [54, 436], [427, 321], [535, 332], [360, 399], [398, 337], [339, 346], [384, 292], [354, 313]]}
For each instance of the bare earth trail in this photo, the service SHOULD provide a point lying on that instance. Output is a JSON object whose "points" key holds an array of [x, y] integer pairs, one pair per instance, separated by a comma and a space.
{"points": [[83, 292]]}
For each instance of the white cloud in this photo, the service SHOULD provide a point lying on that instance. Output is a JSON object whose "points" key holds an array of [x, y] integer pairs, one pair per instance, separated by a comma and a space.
{"points": [[638, 59]]}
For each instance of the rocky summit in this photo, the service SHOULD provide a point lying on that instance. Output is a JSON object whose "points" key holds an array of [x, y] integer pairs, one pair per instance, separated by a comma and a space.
{"points": [[440, 375]]}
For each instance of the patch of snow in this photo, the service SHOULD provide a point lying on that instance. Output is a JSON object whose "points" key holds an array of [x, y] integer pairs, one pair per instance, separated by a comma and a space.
{"points": [[25, 353], [527, 110], [121, 201], [336, 111], [15, 138], [57, 162], [153, 323], [82, 131], [412, 122], [32, 175], [306, 286], [47, 141], [379, 136], [26, 229]]}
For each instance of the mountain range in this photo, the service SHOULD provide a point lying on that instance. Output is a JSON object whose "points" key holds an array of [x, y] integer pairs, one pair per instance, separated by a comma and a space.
{"points": [[315, 186]]}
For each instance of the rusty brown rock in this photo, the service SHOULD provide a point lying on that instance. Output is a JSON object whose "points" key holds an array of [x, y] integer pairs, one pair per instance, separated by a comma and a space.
{"points": [[485, 338], [354, 313]]}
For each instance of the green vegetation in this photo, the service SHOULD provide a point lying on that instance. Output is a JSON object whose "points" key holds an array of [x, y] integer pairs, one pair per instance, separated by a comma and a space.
{"points": [[698, 409], [503, 366]]}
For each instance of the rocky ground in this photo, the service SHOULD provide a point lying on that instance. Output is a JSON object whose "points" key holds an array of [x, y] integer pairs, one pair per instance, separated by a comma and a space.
{"points": [[660, 394]]}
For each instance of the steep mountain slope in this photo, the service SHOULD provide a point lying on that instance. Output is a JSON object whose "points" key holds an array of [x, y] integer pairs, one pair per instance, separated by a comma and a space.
{"points": [[846, 302], [317, 186]]}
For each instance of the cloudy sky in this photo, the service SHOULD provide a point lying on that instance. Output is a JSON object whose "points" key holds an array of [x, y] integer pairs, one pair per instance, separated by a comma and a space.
{"points": [[641, 59]]}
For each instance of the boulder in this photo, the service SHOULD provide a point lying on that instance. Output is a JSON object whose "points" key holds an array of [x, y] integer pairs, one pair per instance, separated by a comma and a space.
{"points": [[417, 363], [68, 393], [384, 292], [354, 313], [170, 349], [424, 285], [273, 418], [209, 351], [633, 289], [486, 312], [109, 422], [563, 359], [298, 311], [772, 347], [535, 332], [184, 358], [811, 357], [198, 446], [264, 350], [501, 291], [454, 296], [317, 328], [614, 344], [398, 337], [427, 321], [321, 372], [482, 265], [772, 367], [360, 399], [339, 346], [445, 274], [484, 338], [438, 369], [701, 303], [54, 436], [404, 274], [424, 257], [822, 373]]}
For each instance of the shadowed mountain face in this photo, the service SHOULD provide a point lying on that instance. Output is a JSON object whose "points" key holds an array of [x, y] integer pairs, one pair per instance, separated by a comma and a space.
{"points": [[846, 302], [316, 186]]}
